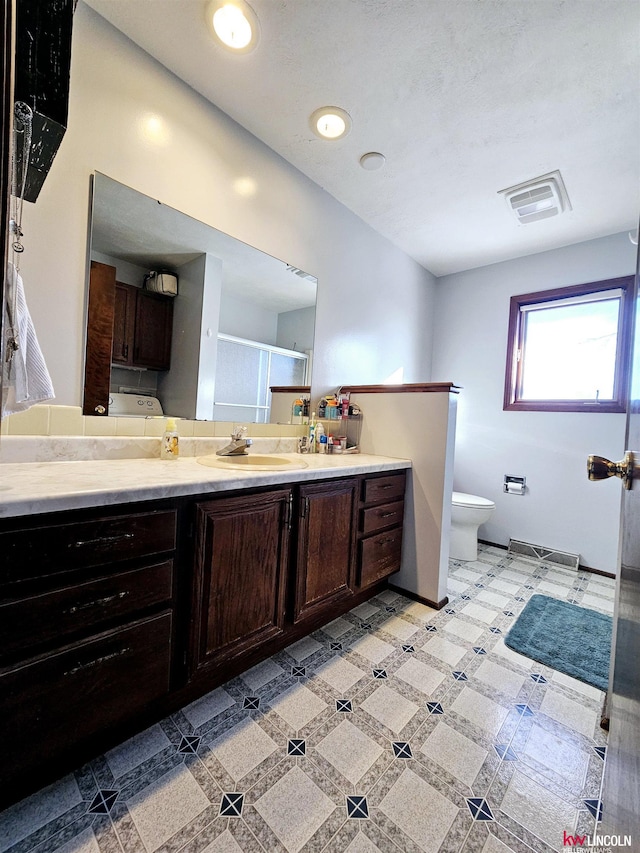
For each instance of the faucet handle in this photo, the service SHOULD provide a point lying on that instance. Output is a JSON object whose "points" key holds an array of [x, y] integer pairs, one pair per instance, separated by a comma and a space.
{"points": [[238, 433]]}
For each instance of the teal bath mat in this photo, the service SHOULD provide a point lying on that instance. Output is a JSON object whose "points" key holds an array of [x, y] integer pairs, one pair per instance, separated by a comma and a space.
{"points": [[568, 638]]}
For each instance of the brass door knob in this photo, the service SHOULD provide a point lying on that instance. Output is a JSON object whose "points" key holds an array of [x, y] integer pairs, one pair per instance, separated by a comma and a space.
{"points": [[599, 468]]}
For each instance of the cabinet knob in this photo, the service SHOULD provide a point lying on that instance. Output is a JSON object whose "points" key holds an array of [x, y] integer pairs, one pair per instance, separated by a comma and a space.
{"points": [[100, 410]]}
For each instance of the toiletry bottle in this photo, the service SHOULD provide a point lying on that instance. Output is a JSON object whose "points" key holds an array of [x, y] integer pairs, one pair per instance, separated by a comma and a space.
{"points": [[296, 412], [169, 447], [344, 402], [322, 408], [312, 433], [320, 438]]}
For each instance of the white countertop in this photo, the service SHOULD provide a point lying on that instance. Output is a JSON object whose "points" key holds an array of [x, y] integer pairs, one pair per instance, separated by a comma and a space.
{"points": [[28, 488]]}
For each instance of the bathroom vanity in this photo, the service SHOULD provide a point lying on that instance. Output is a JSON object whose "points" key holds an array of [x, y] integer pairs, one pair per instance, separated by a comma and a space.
{"points": [[117, 608]]}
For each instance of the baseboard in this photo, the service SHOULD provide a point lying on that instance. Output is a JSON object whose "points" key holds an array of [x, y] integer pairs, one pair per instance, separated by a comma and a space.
{"points": [[492, 544], [415, 597], [597, 572], [580, 567]]}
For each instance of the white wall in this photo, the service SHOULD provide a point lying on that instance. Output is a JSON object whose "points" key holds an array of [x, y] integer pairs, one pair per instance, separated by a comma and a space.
{"points": [[296, 329], [561, 508], [246, 320], [420, 427], [132, 120]]}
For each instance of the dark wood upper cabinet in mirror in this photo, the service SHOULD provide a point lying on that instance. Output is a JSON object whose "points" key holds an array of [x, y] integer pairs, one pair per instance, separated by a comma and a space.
{"points": [[241, 322]]}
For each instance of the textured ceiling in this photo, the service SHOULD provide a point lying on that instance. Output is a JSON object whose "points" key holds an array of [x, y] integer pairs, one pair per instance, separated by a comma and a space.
{"points": [[463, 97]]}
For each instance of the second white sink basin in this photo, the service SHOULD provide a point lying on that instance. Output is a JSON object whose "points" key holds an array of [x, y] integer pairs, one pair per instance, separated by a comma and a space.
{"points": [[252, 462]]}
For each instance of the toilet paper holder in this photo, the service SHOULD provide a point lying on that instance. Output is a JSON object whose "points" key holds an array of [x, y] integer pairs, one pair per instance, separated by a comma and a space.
{"points": [[514, 485]]}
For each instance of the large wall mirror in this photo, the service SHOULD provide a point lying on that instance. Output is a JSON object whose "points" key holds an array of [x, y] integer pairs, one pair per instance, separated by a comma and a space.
{"points": [[241, 322]]}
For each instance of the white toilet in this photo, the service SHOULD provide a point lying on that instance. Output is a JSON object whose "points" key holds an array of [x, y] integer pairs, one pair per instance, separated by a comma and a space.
{"points": [[468, 512]]}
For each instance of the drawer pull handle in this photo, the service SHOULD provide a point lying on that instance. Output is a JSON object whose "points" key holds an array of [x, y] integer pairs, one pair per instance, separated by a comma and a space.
{"points": [[387, 514], [386, 486], [386, 541], [99, 602], [102, 540], [97, 661]]}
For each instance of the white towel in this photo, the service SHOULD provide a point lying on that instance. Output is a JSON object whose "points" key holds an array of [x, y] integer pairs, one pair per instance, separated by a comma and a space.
{"points": [[25, 378]]}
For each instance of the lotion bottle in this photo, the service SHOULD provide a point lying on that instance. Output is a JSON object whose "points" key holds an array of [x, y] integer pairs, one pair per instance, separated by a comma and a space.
{"points": [[312, 433], [169, 447]]}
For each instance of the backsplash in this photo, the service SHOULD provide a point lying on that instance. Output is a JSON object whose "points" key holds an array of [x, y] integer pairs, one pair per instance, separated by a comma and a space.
{"points": [[69, 420], [63, 433]]}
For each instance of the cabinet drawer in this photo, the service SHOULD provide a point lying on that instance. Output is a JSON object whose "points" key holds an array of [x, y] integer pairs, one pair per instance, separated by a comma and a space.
{"points": [[380, 556], [39, 619], [379, 489], [52, 549], [52, 703], [379, 517]]}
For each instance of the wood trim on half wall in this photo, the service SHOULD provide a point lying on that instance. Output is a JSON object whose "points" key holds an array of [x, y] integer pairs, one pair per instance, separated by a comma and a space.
{"points": [[416, 387]]}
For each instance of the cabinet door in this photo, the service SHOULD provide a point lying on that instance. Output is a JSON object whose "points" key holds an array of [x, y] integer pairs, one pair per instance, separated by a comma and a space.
{"points": [[325, 546], [97, 369], [123, 322], [154, 319], [240, 577]]}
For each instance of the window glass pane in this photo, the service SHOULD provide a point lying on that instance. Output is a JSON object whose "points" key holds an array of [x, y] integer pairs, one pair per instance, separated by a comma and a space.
{"points": [[241, 374], [240, 414], [287, 369], [570, 351]]}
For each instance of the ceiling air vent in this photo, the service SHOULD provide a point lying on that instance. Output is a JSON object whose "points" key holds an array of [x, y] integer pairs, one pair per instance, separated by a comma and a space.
{"points": [[300, 273], [538, 199]]}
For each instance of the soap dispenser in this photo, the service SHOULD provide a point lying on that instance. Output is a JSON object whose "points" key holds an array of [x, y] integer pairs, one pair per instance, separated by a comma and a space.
{"points": [[169, 447]]}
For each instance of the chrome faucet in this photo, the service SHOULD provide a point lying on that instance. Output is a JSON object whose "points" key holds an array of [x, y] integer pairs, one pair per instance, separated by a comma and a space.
{"points": [[238, 444]]}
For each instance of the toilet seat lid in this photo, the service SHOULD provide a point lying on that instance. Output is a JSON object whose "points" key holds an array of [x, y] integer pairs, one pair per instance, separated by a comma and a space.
{"points": [[474, 501]]}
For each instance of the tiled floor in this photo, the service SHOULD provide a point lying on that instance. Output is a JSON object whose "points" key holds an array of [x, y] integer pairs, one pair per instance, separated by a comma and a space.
{"points": [[396, 728]]}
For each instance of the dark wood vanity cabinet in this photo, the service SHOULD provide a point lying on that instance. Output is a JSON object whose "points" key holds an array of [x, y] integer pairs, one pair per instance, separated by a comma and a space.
{"points": [[241, 562], [325, 557], [112, 618], [142, 325], [381, 515], [86, 631]]}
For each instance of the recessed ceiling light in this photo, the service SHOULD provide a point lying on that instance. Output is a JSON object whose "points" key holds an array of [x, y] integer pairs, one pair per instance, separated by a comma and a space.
{"points": [[372, 161], [330, 122], [234, 24]]}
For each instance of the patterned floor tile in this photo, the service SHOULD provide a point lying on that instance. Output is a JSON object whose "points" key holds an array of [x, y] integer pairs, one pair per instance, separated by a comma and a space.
{"points": [[390, 708], [339, 674], [444, 650], [454, 752], [135, 751], [392, 770], [298, 706], [166, 806], [569, 712], [538, 810], [349, 750], [499, 678], [242, 748], [463, 630], [372, 648], [208, 707], [420, 675], [294, 809], [405, 803]]}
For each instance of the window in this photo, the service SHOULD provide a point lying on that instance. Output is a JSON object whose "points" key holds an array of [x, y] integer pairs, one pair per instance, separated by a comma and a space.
{"points": [[568, 348], [245, 370]]}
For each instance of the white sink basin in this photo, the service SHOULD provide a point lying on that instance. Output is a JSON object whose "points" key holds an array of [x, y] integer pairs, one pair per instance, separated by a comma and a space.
{"points": [[252, 462]]}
